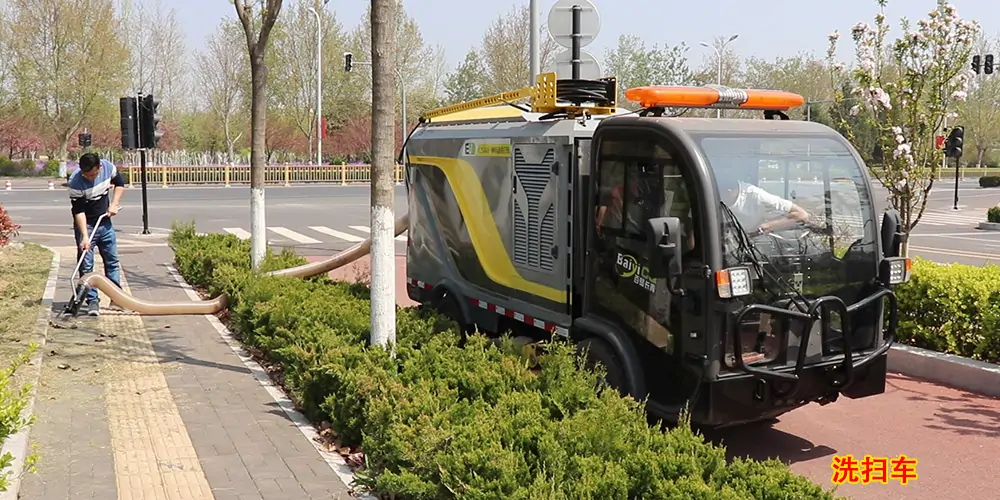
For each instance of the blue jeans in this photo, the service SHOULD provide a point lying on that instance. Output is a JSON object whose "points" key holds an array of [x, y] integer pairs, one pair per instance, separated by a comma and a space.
{"points": [[107, 244]]}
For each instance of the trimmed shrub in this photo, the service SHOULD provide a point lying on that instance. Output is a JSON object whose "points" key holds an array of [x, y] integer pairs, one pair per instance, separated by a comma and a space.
{"points": [[989, 181], [952, 308], [993, 214], [440, 419]]}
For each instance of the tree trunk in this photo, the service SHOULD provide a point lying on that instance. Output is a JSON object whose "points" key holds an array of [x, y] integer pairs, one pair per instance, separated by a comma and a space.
{"points": [[383, 263], [258, 126]]}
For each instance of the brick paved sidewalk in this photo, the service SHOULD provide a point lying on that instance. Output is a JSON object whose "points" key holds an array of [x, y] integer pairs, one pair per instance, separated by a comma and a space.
{"points": [[161, 408]]}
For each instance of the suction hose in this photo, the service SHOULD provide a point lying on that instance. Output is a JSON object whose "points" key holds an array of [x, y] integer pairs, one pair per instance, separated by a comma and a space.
{"points": [[219, 303]]}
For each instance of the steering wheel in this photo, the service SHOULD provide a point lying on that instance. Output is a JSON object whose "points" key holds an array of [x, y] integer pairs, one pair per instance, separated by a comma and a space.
{"points": [[807, 229]]}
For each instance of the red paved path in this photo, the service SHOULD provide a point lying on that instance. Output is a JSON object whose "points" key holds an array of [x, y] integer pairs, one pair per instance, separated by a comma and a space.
{"points": [[953, 434]]}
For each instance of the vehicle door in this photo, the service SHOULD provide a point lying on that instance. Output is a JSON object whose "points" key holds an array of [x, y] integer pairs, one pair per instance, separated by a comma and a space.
{"points": [[638, 177]]}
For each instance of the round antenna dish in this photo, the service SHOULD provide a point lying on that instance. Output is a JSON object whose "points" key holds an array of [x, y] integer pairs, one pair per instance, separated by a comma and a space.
{"points": [[590, 67], [560, 22]]}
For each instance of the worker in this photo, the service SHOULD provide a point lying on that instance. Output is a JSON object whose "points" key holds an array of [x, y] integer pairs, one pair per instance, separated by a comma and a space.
{"points": [[94, 190], [759, 211]]}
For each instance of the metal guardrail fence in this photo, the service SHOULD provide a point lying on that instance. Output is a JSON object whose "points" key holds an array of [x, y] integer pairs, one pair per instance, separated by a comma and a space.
{"points": [[240, 174], [343, 174], [964, 173]]}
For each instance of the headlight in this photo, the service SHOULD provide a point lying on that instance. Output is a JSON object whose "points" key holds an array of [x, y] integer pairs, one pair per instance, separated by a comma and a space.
{"points": [[899, 270], [733, 282]]}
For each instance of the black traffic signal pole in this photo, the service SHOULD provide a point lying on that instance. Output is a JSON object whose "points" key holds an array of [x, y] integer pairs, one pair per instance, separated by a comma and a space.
{"points": [[142, 161], [953, 149], [145, 206], [956, 185]]}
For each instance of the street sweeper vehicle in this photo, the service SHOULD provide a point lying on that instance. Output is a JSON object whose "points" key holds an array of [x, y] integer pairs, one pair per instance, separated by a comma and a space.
{"points": [[735, 267]]}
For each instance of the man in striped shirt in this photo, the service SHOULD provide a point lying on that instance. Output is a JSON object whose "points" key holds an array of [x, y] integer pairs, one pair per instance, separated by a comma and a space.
{"points": [[94, 190]]}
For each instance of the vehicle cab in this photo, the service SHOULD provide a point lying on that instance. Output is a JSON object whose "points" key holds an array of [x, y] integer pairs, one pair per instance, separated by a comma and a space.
{"points": [[737, 265]]}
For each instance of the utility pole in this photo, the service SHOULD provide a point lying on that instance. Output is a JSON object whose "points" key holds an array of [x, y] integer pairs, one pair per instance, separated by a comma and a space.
{"points": [[383, 260], [533, 41], [349, 63], [720, 51]]}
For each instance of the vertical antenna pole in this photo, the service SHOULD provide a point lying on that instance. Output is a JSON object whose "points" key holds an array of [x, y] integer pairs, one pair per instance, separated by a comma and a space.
{"points": [[535, 66], [577, 11]]}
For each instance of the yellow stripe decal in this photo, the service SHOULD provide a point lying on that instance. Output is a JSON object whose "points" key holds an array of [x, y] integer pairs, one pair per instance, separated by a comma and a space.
{"points": [[483, 230]]}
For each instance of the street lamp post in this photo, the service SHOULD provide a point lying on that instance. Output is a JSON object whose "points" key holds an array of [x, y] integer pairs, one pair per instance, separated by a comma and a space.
{"points": [[319, 84], [402, 97], [719, 51]]}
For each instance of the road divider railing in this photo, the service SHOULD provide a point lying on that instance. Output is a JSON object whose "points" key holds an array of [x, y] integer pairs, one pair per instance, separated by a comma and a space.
{"points": [[965, 173], [227, 175]]}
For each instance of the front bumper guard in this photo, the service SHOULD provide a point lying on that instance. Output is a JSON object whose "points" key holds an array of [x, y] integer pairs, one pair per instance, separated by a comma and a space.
{"points": [[848, 366]]}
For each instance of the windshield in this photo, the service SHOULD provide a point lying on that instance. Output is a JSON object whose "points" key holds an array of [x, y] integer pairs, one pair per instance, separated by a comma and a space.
{"points": [[801, 205]]}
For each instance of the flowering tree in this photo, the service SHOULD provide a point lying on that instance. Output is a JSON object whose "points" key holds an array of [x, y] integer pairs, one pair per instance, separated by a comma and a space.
{"points": [[905, 91]]}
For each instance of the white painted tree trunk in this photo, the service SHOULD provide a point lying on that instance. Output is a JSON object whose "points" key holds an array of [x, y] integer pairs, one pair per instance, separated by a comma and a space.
{"points": [[383, 282], [258, 227]]}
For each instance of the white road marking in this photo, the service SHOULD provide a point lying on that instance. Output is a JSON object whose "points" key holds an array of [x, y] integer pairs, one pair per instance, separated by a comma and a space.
{"points": [[292, 235], [336, 234], [237, 232], [368, 230]]}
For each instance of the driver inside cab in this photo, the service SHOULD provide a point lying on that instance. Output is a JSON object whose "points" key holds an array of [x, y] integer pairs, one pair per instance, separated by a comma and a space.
{"points": [[759, 211]]}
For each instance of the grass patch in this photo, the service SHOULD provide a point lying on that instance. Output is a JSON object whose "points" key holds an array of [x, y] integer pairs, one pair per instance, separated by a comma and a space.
{"points": [[23, 273]]}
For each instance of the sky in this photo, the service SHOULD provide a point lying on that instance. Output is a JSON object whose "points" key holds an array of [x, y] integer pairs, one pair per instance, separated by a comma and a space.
{"points": [[766, 28]]}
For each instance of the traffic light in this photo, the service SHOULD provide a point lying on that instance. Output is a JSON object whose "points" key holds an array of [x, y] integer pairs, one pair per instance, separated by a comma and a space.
{"points": [[348, 61], [85, 139], [975, 64], [149, 120], [130, 130], [955, 142], [988, 64]]}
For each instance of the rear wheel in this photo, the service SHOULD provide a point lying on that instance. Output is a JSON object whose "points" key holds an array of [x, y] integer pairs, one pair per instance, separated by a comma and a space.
{"points": [[447, 304], [599, 352]]}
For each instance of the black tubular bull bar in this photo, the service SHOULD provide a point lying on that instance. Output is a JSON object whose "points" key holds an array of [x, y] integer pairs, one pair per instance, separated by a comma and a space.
{"points": [[848, 365]]}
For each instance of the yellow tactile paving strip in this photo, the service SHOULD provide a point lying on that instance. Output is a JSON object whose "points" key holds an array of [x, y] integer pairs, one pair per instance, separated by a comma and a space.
{"points": [[154, 456]]}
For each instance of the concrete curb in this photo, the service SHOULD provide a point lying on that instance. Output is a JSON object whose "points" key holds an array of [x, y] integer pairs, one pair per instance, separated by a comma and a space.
{"points": [[17, 444], [989, 226], [946, 369]]}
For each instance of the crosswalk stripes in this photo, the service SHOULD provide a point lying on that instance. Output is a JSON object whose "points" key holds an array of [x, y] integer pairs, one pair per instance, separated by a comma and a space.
{"points": [[336, 234], [294, 236], [368, 230], [928, 219], [305, 239], [237, 232]]}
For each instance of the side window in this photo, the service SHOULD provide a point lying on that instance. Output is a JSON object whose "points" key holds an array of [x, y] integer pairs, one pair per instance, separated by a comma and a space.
{"points": [[643, 196], [610, 195]]}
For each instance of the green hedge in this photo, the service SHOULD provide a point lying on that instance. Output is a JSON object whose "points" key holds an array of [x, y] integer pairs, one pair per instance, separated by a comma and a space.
{"points": [[989, 181], [952, 308], [993, 214], [440, 420]]}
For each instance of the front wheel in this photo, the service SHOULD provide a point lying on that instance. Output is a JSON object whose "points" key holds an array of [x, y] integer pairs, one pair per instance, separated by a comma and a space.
{"points": [[599, 352]]}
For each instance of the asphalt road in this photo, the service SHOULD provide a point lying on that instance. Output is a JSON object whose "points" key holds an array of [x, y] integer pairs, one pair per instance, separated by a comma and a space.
{"points": [[323, 219], [315, 220]]}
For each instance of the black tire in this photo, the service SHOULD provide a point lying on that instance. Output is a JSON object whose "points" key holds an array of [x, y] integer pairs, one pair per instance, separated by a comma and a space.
{"points": [[447, 304], [599, 352]]}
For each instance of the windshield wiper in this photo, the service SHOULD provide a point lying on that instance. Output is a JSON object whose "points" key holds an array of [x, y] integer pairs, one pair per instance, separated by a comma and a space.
{"points": [[747, 246]]}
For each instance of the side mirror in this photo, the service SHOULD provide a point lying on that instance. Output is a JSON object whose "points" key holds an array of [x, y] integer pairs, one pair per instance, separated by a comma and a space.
{"points": [[891, 233], [663, 247]]}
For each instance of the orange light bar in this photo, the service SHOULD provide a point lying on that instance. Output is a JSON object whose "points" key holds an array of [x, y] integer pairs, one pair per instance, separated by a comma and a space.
{"points": [[705, 97]]}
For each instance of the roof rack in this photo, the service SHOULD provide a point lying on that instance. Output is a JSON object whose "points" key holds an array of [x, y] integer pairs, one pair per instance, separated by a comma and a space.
{"points": [[549, 96]]}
